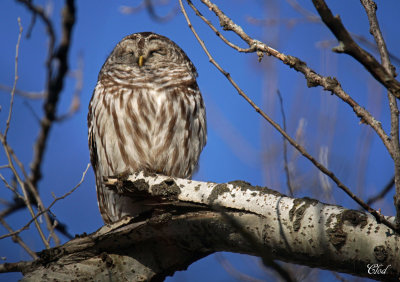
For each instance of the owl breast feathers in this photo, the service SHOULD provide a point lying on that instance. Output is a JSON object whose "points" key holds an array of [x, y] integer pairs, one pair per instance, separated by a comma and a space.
{"points": [[146, 113]]}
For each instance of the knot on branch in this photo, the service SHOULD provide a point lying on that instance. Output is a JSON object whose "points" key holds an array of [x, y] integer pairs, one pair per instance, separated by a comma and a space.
{"points": [[341, 48], [297, 212], [49, 255], [355, 218], [218, 190], [107, 260], [123, 186], [167, 189], [380, 253], [337, 236], [331, 83], [295, 63]]}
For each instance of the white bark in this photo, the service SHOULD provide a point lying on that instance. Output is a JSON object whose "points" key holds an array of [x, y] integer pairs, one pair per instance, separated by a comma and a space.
{"points": [[258, 221]]}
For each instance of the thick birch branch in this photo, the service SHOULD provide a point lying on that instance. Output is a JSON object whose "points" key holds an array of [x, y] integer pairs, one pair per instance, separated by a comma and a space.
{"points": [[204, 218]]}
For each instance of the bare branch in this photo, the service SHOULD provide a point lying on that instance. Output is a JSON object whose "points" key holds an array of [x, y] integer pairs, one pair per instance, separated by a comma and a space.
{"points": [[18, 239], [15, 267], [370, 8], [10, 187], [15, 206], [38, 11], [313, 79], [54, 86], [234, 46], [26, 94], [3, 140], [27, 194], [76, 97], [389, 186], [44, 211], [26, 197], [349, 46], [15, 80]]}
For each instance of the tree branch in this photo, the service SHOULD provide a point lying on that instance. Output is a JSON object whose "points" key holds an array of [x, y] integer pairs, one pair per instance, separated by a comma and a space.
{"points": [[57, 68], [370, 8], [349, 46], [302, 231], [55, 84], [45, 211], [382, 193]]}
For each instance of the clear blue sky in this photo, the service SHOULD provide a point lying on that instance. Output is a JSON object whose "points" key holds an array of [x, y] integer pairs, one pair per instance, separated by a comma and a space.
{"points": [[240, 144]]}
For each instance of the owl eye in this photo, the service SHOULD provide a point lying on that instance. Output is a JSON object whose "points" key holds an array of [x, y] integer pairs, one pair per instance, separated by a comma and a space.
{"points": [[160, 51], [125, 58]]}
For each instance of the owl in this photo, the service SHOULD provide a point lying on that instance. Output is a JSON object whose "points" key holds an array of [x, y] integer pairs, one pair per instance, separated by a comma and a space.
{"points": [[146, 114]]}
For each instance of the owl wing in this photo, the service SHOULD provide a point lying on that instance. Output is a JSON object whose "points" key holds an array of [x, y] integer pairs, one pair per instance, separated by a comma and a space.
{"points": [[92, 149], [101, 198]]}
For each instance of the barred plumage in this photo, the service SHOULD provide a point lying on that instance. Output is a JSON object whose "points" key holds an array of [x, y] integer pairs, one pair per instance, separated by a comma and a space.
{"points": [[146, 113]]}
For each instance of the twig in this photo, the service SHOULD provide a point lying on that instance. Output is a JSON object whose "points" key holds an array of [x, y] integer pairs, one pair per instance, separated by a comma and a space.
{"points": [[313, 79], [314, 18], [370, 8], [285, 158], [311, 17], [14, 190], [372, 46], [76, 97], [15, 80], [18, 240], [31, 25], [36, 200], [26, 226], [383, 193], [38, 11], [24, 191], [3, 139], [234, 46], [51, 231], [54, 86], [27, 184], [26, 94], [15, 266], [16, 206]]}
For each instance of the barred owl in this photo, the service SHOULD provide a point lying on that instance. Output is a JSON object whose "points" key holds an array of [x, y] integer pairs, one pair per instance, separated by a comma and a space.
{"points": [[146, 113]]}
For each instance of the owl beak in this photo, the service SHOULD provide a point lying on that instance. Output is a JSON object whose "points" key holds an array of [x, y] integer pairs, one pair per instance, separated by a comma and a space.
{"points": [[140, 61]]}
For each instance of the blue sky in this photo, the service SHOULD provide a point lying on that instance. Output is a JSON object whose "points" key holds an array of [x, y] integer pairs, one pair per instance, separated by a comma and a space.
{"points": [[241, 145]]}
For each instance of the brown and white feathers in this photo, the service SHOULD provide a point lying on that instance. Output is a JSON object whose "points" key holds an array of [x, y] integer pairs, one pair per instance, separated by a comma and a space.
{"points": [[146, 113]]}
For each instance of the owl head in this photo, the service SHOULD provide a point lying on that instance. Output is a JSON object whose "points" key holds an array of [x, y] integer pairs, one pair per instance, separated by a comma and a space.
{"points": [[147, 53]]}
